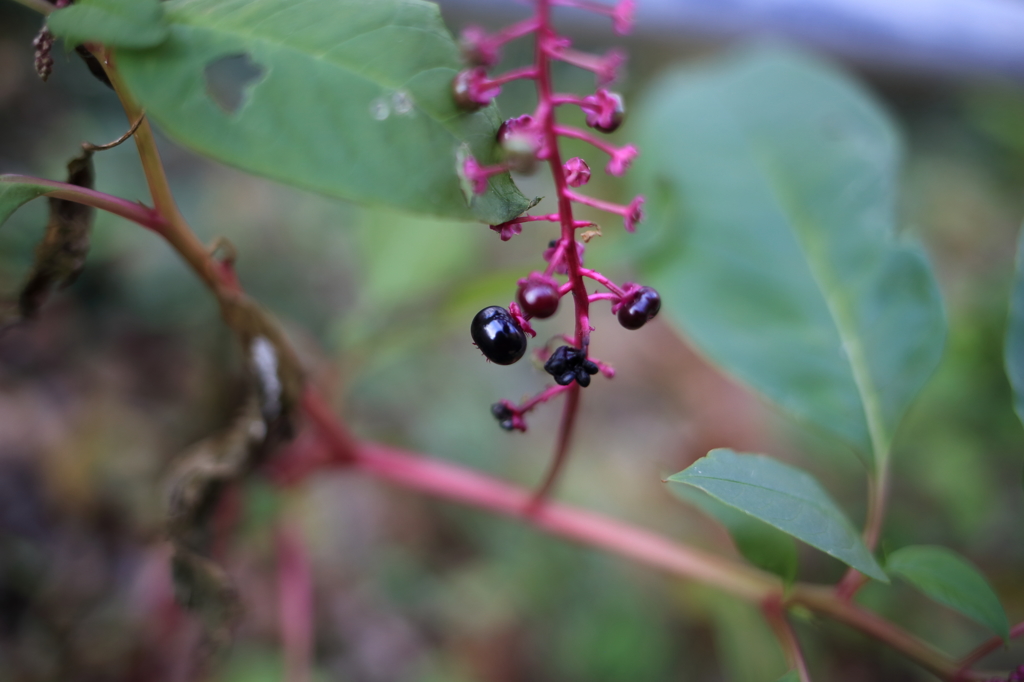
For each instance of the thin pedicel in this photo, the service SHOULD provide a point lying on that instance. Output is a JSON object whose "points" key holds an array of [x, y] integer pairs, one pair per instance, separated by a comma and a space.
{"points": [[525, 140]]}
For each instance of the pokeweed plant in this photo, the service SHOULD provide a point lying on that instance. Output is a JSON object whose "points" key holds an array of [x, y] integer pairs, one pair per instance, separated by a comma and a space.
{"points": [[819, 305]]}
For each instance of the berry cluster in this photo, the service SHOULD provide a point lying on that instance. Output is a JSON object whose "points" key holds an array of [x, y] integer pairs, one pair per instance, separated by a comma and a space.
{"points": [[500, 333]]}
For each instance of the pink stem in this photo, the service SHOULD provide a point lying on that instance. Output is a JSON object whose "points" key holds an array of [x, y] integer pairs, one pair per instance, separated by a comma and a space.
{"points": [[546, 119], [603, 281], [604, 297], [986, 648], [558, 100], [596, 7], [583, 60], [526, 72], [597, 203], [566, 131], [295, 604], [514, 31], [542, 397], [137, 213], [448, 481]]}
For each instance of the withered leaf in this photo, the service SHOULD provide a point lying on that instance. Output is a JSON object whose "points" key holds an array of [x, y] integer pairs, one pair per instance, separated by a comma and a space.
{"points": [[60, 256]]}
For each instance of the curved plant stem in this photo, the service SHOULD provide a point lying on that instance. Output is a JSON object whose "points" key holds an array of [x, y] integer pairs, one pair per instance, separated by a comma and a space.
{"points": [[986, 648], [776, 616], [565, 431], [176, 231], [581, 299], [137, 213], [295, 603]]}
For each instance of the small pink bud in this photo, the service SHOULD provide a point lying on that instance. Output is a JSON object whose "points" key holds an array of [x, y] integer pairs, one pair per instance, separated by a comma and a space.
{"points": [[621, 160], [507, 230], [472, 90], [577, 172], [635, 214], [478, 48], [605, 110], [622, 17], [521, 142]]}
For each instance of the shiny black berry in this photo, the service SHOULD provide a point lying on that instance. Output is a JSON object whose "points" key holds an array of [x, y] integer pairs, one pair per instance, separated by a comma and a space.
{"points": [[498, 336], [568, 364], [537, 299], [503, 414], [639, 308]]}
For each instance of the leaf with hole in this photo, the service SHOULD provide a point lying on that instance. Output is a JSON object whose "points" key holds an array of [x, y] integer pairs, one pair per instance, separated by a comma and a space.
{"points": [[772, 239], [114, 23], [762, 545], [350, 98], [784, 497], [949, 579]]}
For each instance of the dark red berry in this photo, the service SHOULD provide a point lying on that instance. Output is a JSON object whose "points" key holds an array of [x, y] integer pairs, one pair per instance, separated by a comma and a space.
{"points": [[498, 336], [639, 308], [537, 299]]}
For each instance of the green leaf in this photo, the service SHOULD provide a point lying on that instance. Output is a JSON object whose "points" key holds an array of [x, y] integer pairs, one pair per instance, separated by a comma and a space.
{"points": [[353, 99], [13, 195], [762, 545], [784, 497], [772, 239], [114, 23], [791, 676], [1014, 350], [949, 579]]}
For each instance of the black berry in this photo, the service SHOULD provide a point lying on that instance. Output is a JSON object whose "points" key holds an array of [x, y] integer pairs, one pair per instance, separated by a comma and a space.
{"points": [[498, 336], [568, 364], [639, 308], [504, 415], [538, 299]]}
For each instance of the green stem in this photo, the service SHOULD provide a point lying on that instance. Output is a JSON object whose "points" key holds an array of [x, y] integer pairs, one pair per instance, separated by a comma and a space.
{"points": [[177, 231], [37, 6]]}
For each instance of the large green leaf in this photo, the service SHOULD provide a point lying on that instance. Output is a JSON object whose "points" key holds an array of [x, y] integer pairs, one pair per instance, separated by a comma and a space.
{"points": [[1014, 350], [784, 497], [117, 23], [354, 99], [772, 183], [13, 195], [762, 545], [948, 578]]}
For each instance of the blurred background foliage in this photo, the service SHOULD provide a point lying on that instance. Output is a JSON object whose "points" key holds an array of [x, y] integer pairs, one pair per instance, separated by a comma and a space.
{"points": [[131, 364]]}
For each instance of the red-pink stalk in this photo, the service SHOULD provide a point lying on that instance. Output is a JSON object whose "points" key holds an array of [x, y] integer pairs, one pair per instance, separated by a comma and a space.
{"points": [[985, 649], [137, 213], [294, 603]]}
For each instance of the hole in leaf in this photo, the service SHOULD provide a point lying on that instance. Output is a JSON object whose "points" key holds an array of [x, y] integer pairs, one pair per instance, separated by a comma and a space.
{"points": [[229, 80]]}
